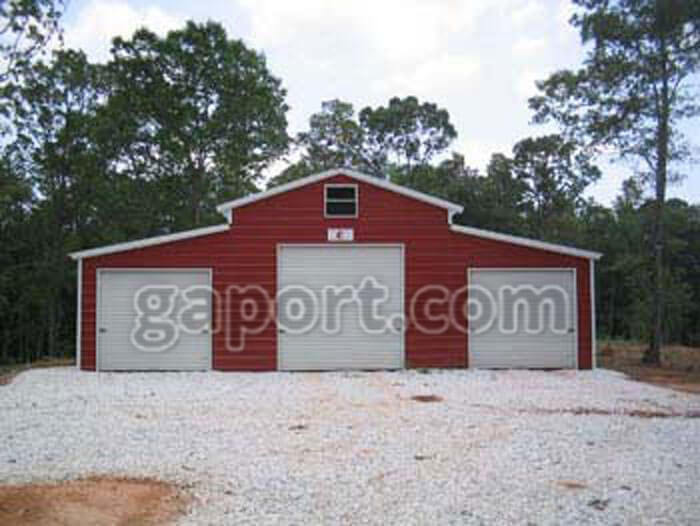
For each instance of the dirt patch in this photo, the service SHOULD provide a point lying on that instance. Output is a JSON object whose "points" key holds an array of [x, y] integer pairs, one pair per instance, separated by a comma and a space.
{"points": [[673, 357], [427, 398], [572, 484], [688, 382], [98, 501], [9, 372], [679, 370]]}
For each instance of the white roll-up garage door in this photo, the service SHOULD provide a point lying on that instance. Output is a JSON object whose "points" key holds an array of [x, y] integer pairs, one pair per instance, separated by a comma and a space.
{"points": [[334, 331], [145, 333], [522, 318]]}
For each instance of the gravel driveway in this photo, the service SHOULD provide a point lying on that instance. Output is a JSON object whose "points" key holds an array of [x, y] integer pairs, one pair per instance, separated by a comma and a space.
{"points": [[514, 447]]}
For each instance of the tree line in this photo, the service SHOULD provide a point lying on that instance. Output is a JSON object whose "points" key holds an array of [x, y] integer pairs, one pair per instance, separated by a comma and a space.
{"points": [[150, 141]]}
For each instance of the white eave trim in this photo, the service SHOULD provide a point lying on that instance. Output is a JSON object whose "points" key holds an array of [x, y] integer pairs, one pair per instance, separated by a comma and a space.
{"points": [[147, 242], [526, 242], [381, 183]]}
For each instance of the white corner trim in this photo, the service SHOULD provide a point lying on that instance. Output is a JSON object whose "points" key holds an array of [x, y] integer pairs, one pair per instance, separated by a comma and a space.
{"points": [[79, 316], [149, 241], [314, 178], [526, 242], [594, 336]]}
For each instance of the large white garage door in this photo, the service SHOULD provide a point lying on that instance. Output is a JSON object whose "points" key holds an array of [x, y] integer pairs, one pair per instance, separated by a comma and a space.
{"points": [[326, 299], [522, 318], [137, 323]]}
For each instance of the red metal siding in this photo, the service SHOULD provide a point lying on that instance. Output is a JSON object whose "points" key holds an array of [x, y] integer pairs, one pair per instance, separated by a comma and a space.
{"points": [[246, 255]]}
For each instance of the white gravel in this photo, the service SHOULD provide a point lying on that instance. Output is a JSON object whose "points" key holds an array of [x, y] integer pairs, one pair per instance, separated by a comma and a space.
{"points": [[491, 453]]}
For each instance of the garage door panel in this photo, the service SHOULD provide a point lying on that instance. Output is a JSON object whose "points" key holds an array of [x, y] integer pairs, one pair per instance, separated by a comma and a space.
{"points": [[350, 347], [508, 361], [543, 337], [117, 317]]}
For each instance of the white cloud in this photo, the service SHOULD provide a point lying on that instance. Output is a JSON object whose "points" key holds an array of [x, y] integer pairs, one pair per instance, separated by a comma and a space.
{"points": [[397, 30], [527, 12], [527, 46], [525, 83], [478, 152], [444, 73], [565, 31], [609, 185], [476, 58], [101, 20]]}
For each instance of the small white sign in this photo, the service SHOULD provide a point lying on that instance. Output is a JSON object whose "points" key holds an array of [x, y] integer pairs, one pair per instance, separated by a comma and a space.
{"points": [[341, 234]]}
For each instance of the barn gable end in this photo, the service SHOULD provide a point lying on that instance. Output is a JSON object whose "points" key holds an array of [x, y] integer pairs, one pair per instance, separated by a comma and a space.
{"points": [[248, 252]]}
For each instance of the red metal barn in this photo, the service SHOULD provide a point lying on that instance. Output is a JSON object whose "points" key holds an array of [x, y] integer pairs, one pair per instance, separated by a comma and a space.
{"points": [[338, 270]]}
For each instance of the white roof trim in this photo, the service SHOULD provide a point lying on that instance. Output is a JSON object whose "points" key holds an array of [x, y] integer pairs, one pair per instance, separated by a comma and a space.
{"points": [[526, 242], [149, 241], [392, 187]]}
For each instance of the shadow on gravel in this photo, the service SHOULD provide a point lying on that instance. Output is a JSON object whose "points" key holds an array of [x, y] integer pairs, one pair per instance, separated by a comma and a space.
{"points": [[638, 413], [9, 372], [587, 411]]}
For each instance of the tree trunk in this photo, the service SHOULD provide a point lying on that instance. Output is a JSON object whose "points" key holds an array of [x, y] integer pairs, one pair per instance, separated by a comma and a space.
{"points": [[611, 311], [652, 356]]}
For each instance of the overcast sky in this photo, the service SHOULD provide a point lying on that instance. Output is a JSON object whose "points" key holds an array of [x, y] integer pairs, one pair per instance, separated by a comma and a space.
{"points": [[477, 58]]}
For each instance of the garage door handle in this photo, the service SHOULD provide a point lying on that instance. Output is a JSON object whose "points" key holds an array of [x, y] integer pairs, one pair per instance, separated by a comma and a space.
{"points": [[571, 330], [103, 330], [281, 331]]}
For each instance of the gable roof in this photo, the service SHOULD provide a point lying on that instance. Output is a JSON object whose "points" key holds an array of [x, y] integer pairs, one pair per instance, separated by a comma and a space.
{"points": [[225, 208], [149, 241], [526, 242]]}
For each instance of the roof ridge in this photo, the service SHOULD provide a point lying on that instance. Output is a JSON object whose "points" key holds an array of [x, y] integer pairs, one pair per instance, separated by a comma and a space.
{"points": [[226, 207]]}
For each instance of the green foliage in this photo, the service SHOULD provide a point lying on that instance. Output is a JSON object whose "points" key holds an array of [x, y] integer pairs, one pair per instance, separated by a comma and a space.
{"points": [[26, 28], [634, 80], [555, 173], [503, 198], [406, 132], [446, 180], [625, 297], [145, 144], [199, 114], [149, 142], [400, 136], [630, 94], [334, 139], [54, 166]]}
